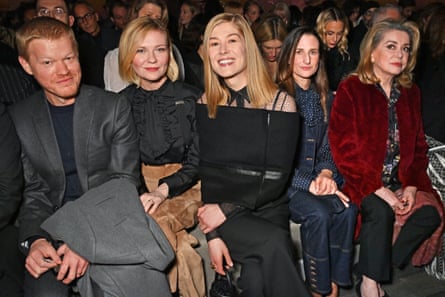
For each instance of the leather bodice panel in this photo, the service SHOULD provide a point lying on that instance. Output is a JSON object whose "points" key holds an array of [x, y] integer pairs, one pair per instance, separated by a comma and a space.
{"points": [[246, 155]]}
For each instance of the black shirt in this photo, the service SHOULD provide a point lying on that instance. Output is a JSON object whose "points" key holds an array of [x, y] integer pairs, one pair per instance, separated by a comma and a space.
{"points": [[62, 117]]}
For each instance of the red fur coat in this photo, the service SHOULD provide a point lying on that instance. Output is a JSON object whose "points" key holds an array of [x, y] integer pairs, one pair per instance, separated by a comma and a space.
{"points": [[358, 131]]}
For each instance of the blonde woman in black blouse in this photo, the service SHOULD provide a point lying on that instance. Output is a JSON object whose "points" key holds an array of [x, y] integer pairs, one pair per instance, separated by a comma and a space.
{"points": [[164, 113]]}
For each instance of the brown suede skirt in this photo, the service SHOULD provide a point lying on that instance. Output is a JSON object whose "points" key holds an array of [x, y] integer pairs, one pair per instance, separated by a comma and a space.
{"points": [[175, 215], [180, 209]]}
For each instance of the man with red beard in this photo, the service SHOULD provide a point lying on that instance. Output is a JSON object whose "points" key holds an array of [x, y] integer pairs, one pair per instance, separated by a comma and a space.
{"points": [[91, 56]]}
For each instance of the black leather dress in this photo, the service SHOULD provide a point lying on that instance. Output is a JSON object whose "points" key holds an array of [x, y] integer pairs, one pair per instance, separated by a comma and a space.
{"points": [[246, 158]]}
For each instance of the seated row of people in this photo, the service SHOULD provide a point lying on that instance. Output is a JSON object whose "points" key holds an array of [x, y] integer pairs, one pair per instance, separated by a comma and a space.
{"points": [[244, 170]]}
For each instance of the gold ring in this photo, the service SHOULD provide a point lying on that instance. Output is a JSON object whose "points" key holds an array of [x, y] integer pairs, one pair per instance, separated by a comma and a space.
{"points": [[213, 266]]}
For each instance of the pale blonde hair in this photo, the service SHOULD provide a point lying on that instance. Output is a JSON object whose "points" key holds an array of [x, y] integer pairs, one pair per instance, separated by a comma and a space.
{"points": [[132, 34], [333, 14], [260, 87]]}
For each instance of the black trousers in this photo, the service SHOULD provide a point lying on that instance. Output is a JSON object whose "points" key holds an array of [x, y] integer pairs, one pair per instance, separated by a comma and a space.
{"points": [[377, 254], [260, 242], [12, 263], [45, 286]]}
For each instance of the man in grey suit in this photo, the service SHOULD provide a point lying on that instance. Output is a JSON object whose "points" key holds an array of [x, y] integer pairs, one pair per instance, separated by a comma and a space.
{"points": [[73, 138]]}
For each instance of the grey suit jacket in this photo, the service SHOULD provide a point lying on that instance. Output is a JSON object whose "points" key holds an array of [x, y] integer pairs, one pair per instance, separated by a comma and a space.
{"points": [[111, 230], [106, 147]]}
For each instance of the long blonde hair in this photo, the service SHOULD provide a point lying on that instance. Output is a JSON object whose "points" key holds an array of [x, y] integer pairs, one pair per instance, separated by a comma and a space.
{"points": [[260, 87], [373, 38], [333, 14]]}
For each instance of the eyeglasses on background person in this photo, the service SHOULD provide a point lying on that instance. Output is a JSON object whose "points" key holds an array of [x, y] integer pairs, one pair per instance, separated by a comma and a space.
{"points": [[86, 18], [56, 12]]}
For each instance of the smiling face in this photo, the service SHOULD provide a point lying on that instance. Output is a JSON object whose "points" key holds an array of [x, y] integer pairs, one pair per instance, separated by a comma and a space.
{"points": [[55, 65], [334, 31], [390, 56], [227, 54], [306, 60], [151, 60], [271, 49]]}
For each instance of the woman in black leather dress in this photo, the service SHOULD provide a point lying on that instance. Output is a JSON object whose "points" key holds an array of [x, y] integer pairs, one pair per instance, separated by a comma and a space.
{"points": [[247, 136]]}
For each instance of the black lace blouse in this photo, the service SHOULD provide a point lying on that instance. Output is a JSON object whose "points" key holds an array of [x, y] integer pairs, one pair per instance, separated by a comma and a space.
{"points": [[165, 121]]}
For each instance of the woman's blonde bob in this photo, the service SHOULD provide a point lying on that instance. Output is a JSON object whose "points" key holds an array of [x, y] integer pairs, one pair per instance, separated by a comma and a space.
{"points": [[365, 68], [260, 87], [134, 32]]}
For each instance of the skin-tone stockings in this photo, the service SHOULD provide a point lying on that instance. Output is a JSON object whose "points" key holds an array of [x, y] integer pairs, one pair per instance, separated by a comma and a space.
{"points": [[371, 288]]}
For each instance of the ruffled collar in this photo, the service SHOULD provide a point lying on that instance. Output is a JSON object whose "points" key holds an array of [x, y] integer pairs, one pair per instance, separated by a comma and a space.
{"points": [[160, 90]]}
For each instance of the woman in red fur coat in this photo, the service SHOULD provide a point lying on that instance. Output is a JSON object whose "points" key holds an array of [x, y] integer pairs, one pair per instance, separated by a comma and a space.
{"points": [[378, 144]]}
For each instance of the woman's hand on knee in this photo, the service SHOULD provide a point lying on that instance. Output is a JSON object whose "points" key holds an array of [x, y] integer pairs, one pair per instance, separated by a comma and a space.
{"points": [[408, 199], [151, 201], [323, 184], [343, 198], [391, 198]]}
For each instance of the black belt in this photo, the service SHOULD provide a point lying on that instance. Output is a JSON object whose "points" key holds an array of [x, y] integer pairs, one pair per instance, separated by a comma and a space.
{"points": [[266, 174]]}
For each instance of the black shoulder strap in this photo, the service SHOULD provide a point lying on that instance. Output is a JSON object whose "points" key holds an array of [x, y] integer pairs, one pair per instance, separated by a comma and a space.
{"points": [[276, 100]]}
